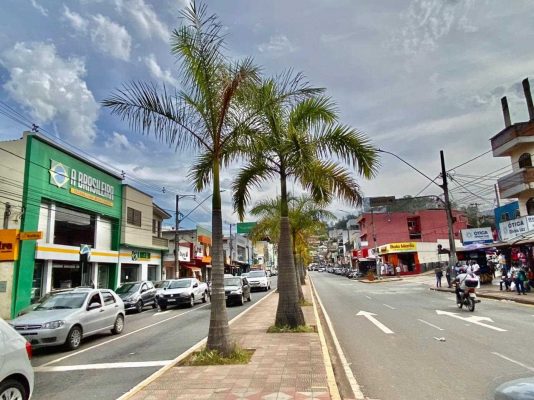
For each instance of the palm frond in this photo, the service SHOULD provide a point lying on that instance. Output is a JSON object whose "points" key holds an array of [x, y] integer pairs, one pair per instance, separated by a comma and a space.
{"points": [[312, 112], [201, 172]]}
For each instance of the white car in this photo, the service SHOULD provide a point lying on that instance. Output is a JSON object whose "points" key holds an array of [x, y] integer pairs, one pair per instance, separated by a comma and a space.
{"points": [[259, 280], [183, 291], [16, 372]]}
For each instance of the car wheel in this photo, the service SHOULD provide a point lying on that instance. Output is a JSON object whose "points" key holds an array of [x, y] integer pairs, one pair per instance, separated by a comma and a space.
{"points": [[139, 306], [192, 302], [119, 325], [163, 307], [241, 300], [204, 297], [154, 304], [74, 338], [12, 389]]}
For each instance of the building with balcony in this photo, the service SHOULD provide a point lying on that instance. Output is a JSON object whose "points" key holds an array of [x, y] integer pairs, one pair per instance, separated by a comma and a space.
{"points": [[517, 142]]}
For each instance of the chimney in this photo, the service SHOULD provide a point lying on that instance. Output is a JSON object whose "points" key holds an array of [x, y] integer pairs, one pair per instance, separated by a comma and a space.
{"points": [[528, 96], [506, 112]]}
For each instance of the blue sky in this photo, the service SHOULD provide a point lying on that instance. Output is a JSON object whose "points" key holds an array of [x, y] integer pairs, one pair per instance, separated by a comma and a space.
{"points": [[416, 76]]}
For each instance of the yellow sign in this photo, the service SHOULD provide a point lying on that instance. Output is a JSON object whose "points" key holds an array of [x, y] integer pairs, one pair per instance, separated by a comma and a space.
{"points": [[398, 247], [31, 235], [90, 196], [9, 244]]}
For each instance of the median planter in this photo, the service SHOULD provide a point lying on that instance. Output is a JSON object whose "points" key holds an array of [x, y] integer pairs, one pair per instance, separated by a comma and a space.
{"points": [[213, 357], [287, 329]]}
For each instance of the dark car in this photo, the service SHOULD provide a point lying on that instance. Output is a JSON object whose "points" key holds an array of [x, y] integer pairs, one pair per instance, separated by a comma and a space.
{"points": [[236, 290], [137, 295]]}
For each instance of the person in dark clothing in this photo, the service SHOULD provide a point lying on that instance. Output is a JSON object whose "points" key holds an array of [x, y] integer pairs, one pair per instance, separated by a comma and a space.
{"points": [[448, 274], [439, 275]]}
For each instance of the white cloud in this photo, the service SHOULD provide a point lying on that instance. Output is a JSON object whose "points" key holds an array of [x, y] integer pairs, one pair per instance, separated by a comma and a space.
{"points": [[52, 90], [39, 8], [277, 45], [158, 73], [75, 20], [110, 37], [118, 142], [145, 18]]}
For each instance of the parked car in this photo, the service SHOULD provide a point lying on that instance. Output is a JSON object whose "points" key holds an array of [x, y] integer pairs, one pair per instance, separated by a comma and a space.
{"points": [[244, 274], [236, 290], [259, 280], [33, 306], [68, 317], [137, 295], [16, 372], [183, 291]]}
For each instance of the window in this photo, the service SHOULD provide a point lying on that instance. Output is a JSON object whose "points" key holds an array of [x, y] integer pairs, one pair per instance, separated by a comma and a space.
{"points": [[525, 161], [73, 227], [530, 206], [414, 227], [108, 298], [505, 217], [133, 216], [95, 299], [154, 227]]}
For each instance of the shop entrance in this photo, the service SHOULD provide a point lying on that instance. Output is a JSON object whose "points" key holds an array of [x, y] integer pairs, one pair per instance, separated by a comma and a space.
{"points": [[105, 275], [129, 272], [66, 274], [37, 283], [153, 273]]}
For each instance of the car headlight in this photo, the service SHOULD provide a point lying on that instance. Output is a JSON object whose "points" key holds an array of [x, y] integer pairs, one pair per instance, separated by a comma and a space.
{"points": [[53, 324], [238, 291]]}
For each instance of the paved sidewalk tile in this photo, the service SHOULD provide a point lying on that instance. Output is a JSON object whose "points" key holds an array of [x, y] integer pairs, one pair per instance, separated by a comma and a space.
{"points": [[285, 366]]}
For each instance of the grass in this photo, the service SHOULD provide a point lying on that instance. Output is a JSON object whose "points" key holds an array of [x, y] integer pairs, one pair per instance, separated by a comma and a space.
{"points": [[287, 329], [213, 357], [305, 303]]}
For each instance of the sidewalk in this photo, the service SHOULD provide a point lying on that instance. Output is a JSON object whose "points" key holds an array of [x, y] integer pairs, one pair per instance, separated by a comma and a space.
{"points": [[284, 366]]}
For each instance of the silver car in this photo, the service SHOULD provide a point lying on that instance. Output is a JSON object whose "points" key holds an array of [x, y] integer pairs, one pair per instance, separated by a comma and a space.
{"points": [[67, 317]]}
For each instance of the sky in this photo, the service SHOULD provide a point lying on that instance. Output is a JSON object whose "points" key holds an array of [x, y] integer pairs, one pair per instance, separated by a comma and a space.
{"points": [[415, 76]]}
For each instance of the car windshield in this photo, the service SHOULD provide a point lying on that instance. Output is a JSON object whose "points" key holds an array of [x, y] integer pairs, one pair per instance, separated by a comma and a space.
{"points": [[232, 282], [256, 274], [161, 284], [185, 283], [128, 288], [63, 300]]}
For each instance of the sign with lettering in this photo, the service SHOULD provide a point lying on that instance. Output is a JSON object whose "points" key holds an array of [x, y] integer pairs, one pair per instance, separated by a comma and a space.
{"points": [[516, 227], [9, 244], [138, 255], [31, 235], [81, 184], [478, 235], [398, 247], [184, 254]]}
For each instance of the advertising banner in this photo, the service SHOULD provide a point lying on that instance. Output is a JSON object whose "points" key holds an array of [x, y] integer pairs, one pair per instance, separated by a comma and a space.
{"points": [[477, 235], [516, 227]]}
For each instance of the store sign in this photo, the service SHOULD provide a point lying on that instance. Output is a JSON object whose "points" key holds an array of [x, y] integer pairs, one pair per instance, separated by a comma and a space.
{"points": [[9, 245], [516, 227], [81, 184], [31, 235], [478, 235], [398, 247], [199, 251], [184, 254], [140, 255]]}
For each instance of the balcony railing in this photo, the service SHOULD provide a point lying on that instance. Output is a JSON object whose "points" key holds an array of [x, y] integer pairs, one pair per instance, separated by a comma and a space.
{"points": [[511, 185], [160, 242], [522, 129]]}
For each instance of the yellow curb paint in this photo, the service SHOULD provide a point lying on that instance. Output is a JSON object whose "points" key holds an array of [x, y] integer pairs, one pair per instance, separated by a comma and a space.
{"points": [[355, 387], [330, 377], [147, 381]]}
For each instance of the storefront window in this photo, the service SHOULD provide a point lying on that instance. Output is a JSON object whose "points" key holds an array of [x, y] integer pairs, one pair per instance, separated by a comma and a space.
{"points": [[37, 281], [66, 274], [152, 272], [129, 272], [73, 227]]}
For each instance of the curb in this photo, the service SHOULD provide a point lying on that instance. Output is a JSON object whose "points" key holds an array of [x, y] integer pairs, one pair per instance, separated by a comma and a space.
{"points": [[381, 280], [147, 381], [518, 300], [354, 386]]}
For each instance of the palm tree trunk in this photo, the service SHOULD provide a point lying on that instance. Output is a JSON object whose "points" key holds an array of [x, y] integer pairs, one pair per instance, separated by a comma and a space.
{"points": [[288, 312], [302, 272], [297, 274], [219, 331]]}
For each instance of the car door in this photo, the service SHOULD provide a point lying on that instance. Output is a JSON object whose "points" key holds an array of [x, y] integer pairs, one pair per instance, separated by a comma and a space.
{"points": [[111, 308], [151, 294], [195, 287], [145, 294], [93, 319]]}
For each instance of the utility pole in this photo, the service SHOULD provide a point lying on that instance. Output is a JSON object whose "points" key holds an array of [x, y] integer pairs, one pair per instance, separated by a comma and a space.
{"points": [[176, 235], [374, 243], [231, 247], [476, 212], [445, 187]]}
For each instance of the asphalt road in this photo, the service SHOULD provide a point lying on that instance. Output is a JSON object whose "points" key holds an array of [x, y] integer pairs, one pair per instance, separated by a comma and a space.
{"points": [[148, 341], [419, 345]]}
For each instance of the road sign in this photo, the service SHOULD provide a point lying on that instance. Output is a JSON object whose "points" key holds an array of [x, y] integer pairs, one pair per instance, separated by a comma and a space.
{"points": [[245, 227], [31, 235]]}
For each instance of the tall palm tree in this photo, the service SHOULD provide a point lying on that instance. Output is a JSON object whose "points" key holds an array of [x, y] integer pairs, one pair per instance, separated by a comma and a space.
{"points": [[297, 141], [306, 218], [207, 116]]}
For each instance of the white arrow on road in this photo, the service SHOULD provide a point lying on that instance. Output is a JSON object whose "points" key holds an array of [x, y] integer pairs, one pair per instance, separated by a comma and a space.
{"points": [[380, 325], [473, 319]]}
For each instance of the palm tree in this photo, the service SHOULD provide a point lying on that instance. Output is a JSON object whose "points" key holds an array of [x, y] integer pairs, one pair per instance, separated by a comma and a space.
{"points": [[296, 142], [207, 116], [305, 219]]}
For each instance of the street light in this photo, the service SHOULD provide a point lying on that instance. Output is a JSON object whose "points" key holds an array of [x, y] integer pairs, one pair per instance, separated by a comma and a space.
{"points": [[348, 238], [447, 203]]}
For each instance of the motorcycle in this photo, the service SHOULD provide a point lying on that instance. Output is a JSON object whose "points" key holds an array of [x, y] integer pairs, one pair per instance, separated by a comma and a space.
{"points": [[467, 297]]}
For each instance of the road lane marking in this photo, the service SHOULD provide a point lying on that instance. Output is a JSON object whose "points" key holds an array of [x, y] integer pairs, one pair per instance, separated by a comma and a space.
{"points": [[135, 364], [370, 298], [120, 337], [388, 306], [474, 320], [379, 325], [432, 325], [160, 313], [513, 361]]}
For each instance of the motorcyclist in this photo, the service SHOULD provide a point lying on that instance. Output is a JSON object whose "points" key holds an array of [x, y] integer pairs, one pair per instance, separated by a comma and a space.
{"points": [[460, 283]]}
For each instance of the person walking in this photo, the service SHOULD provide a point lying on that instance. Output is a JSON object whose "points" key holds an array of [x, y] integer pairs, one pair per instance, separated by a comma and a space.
{"points": [[439, 274], [448, 274], [521, 277]]}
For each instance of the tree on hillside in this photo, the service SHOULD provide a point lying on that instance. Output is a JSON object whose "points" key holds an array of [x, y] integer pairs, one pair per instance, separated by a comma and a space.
{"points": [[296, 140], [206, 115]]}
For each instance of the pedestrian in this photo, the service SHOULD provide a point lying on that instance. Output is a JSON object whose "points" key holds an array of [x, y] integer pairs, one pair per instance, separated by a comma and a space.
{"points": [[505, 280], [530, 277], [398, 270], [448, 274], [439, 274], [521, 277]]}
